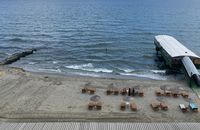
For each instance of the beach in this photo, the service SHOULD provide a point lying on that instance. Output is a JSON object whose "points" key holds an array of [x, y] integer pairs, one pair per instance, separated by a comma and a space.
{"points": [[28, 96]]}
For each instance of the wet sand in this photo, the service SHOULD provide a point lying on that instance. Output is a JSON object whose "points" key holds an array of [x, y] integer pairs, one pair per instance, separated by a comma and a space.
{"points": [[27, 96]]}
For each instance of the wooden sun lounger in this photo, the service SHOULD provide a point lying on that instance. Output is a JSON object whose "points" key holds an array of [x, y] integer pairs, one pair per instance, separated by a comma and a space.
{"points": [[184, 94], [109, 92], [95, 105], [124, 91], [167, 93], [91, 105], [159, 92], [141, 92], [155, 105], [114, 91], [99, 105], [90, 90], [84, 90], [163, 106], [133, 106], [122, 106], [175, 94]]}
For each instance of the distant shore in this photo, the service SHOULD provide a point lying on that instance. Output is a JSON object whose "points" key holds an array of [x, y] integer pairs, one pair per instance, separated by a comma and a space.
{"points": [[28, 96]]}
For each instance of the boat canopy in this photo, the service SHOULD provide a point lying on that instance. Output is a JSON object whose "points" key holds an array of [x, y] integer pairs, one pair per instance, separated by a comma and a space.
{"points": [[173, 47]]}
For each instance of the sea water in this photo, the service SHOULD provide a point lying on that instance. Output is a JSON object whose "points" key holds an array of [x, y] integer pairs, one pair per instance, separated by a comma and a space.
{"points": [[96, 37]]}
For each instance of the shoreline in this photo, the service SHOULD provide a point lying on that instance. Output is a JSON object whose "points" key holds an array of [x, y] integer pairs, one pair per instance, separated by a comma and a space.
{"points": [[101, 75], [30, 96]]}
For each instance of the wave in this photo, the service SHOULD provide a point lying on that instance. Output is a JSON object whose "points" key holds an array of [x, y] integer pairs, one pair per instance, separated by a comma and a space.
{"points": [[87, 74], [151, 74], [89, 67], [146, 75], [127, 70], [31, 63], [158, 71], [50, 70], [55, 62]]}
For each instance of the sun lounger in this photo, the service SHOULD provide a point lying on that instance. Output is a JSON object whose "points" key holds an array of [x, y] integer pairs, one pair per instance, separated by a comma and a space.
{"points": [[89, 90], [175, 94], [115, 91], [185, 94], [91, 105], [141, 92], [183, 108], [109, 92], [159, 92], [122, 106], [84, 90], [155, 105], [193, 107], [124, 91], [133, 106], [98, 105], [92, 90], [95, 105], [167, 93], [163, 106]]}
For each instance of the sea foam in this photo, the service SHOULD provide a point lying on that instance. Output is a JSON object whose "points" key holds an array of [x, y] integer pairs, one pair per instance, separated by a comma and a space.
{"points": [[89, 67]]}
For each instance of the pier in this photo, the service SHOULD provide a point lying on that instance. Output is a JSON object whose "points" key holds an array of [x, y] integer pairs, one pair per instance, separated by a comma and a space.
{"points": [[177, 57]]}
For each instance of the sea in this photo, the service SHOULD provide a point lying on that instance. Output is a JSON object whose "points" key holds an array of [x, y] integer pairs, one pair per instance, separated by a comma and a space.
{"points": [[100, 38]]}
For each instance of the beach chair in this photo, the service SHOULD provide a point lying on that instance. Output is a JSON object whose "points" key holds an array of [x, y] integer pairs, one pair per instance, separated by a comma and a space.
{"points": [[175, 94], [84, 90], [122, 106], [183, 108], [109, 92], [133, 106], [193, 107], [167, 93], [163, 106], [159, 92], [98, 105], [124, 91], [91, 105], [185, 94], [92, 90], [155, 105], [115, 91], [141, 92]]}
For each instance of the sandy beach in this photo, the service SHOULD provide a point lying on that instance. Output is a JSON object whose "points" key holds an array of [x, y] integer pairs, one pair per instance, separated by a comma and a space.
{"points": [[28, 96]]}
